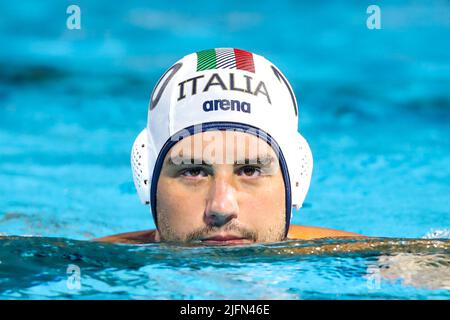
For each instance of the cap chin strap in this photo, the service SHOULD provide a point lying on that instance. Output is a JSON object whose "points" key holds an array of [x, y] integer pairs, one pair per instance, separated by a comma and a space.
{"points": [[301, 172]]}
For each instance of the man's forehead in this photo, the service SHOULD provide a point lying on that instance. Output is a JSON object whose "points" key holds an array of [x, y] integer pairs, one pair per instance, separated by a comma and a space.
{"points": [[231, 134], [222, 147], [258, 159]]}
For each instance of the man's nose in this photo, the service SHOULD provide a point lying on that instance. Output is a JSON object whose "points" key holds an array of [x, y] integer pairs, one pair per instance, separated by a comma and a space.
{"points": [[222, 204]]}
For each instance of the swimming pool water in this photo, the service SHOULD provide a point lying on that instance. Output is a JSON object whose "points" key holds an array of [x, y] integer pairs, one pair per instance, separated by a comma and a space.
{"points": [[323, 269], [373, 104]]}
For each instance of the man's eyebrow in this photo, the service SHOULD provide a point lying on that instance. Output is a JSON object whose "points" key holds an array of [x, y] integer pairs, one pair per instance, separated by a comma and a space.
{"points": [[264, 160], [261, 160]]}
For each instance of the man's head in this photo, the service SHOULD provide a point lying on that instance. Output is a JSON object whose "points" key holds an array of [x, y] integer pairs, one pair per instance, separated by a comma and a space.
{"points": [[239, 96]]}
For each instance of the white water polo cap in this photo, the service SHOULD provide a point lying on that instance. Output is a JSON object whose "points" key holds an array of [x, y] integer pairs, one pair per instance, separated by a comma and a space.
{"points": [[222, 89]]}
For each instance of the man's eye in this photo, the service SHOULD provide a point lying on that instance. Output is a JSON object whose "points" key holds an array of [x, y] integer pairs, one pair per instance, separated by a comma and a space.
{"points": [[194, 172], [250, 171]]}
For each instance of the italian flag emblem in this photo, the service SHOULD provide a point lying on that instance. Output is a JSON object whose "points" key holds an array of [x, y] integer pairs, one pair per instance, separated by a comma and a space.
{"points": [[225, 58]]}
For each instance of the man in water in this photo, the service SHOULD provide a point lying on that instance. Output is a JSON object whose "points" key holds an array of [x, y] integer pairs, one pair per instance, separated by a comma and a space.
{"points": [[221, 160]]}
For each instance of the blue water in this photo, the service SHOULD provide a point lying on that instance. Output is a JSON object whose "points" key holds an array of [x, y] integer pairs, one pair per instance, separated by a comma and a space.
{"points": [[325, 269], [374, 106]]}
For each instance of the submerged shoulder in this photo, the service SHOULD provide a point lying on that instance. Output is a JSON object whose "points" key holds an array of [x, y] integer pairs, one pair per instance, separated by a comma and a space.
{"points": [[137, 237], [308, 232]]}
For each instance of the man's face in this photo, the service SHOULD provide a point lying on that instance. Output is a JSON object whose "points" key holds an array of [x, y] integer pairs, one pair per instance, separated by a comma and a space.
{"points": [[221, 188]]}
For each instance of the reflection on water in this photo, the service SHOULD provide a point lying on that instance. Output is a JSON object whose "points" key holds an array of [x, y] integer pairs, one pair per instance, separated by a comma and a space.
{"points": [[430, 271], [33, 267]]}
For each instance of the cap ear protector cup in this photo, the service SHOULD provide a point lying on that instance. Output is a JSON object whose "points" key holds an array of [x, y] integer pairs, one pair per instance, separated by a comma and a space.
{"points": [[140, 166], [302, 172], [221, 89]]}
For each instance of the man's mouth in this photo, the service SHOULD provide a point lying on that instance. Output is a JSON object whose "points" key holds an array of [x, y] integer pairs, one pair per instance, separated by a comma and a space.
{"points": [[225, 239]]}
